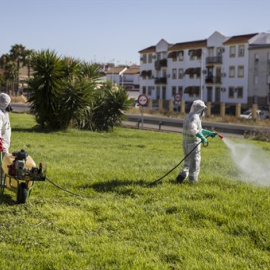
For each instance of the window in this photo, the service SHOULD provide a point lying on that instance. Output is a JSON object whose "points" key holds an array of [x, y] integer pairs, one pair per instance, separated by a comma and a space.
{"points": [[231, 71], [231, 92], [173, 91], [232, 51], [240, 71], [150, 58], [239, 92], [164, 73], [149, 90], [191, 55], [174, 72], [180, 90], [180, 73], [181, 56], [144, 58], [158, 93], [220, 50], [241, 50], [256, 57], [144, 90]]}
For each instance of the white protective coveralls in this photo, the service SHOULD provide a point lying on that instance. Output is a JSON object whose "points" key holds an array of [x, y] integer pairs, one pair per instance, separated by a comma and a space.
{"points": [[5, 129], [193, 134]]}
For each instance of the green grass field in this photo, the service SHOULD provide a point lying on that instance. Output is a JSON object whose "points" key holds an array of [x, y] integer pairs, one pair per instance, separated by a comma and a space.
{"points": [[122, 223]]}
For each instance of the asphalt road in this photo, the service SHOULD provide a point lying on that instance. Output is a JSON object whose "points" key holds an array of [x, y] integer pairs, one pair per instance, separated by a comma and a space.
{"points": [[164, 124], [165, 128], [20, 107]]}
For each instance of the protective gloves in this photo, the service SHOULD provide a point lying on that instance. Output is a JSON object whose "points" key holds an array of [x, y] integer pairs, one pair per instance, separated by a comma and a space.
{"points": [[206, 132], [203, 139]]}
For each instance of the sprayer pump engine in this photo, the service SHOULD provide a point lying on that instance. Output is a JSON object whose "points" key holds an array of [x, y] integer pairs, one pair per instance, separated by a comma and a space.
{"points": [[19, 171]]}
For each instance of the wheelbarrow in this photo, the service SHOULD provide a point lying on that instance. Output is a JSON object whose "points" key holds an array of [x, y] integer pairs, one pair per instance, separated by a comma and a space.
{"points": [[18, 173]]}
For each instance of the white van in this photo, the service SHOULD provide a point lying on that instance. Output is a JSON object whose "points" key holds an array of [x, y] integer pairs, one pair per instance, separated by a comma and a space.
{"points": [[260, 114]]}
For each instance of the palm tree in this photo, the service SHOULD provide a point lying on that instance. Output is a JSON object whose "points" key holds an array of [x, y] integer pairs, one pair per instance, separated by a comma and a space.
{"points": [[17, 54], [6, 65], [27, 61], [10, 75], [46, 86], [65, 93]]}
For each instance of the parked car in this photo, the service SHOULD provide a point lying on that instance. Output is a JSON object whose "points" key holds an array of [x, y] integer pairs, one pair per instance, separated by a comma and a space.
{"points": [[260, 114]]}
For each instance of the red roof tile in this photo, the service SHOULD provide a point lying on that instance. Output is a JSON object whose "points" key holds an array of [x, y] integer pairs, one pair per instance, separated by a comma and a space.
{"points": [[239, 39], [188, 45], [148, 50]]}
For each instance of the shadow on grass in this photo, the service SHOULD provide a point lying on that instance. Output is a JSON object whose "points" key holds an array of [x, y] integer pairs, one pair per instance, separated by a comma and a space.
{"points": [[34, 129], [7, 199], [118, 186]]}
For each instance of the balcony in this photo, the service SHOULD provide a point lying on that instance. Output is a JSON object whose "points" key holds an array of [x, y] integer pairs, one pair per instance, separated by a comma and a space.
{"points": [[160, 63], [214, 60], [161, 80], [213, 79]]}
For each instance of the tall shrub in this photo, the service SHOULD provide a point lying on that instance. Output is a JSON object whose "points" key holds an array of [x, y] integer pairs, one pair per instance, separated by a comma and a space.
{"points": [[66, 93]]}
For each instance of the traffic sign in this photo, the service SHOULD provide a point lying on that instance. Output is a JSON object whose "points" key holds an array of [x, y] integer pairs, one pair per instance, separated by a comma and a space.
{"points": [[142, 99]]}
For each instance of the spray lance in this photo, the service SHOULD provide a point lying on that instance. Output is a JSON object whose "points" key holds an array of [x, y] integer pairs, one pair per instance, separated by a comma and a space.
{"points": [[204, 144]]}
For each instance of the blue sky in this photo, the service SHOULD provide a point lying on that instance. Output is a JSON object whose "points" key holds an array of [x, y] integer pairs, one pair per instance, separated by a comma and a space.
{"points": [[115, 30]]}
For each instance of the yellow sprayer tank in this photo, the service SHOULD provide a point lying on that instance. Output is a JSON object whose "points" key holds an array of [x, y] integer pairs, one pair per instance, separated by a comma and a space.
{"points": [[12, 183]]}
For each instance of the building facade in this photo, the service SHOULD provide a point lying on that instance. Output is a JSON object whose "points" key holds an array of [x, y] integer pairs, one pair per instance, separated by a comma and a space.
{"points": [[216, 69], [259, 74], [127, 77]]}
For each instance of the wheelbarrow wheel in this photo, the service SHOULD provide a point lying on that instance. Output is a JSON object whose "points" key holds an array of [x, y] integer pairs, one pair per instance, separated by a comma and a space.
{"points": [[22, 193]]}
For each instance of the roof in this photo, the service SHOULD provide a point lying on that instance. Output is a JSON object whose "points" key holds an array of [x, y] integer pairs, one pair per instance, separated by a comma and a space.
{"points": [[115, 70], [132, 70], [148, 50], [189, 45], [239, 39]]}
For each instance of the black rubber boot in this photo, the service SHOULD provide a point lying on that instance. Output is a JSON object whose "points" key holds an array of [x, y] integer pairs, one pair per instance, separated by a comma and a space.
{"points": [[180, 179]]}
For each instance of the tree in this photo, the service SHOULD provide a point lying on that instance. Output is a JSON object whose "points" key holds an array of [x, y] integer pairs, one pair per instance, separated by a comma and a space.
{"points": [[17, 54], [66, 93], [46, 86], [10, 75], [27, 61], [106, 109]]}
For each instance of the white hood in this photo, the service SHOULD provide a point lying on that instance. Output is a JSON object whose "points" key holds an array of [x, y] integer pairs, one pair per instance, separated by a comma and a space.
{"points": [[4, 100], [197, 107]]}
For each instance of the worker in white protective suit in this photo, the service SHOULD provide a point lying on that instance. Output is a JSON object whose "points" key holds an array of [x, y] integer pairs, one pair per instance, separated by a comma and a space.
{"points": [[5, 129], [193, 134]]}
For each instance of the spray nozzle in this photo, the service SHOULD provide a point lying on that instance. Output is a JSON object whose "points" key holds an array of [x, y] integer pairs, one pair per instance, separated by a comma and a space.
{"points": [[220, 136]]}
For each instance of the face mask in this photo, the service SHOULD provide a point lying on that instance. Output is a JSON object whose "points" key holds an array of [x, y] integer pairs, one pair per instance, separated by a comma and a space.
{"points": [[203, 113], [9, 108]]}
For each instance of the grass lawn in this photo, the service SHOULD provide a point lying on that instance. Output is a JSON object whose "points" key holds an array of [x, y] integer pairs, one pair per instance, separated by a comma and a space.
{"points": [[121, 223]]}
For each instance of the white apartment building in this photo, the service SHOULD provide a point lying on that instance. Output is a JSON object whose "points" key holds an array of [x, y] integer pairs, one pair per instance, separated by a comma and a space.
{"points": [[128, 77], [216, 69], [259, 71]]}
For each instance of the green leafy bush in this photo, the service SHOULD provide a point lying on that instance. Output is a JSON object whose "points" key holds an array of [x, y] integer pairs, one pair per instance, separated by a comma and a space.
{"points": [[66, 93]]}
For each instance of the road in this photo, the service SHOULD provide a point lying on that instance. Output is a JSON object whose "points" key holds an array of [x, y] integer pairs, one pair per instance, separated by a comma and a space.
{"points": [[175, 125], [169, 124], [20, 107]]}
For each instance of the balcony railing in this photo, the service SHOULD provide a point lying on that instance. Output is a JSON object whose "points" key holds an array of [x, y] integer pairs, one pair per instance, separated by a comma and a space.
{"points": [[160, 63], [213, 79], [161, 80], [214, 60]]}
